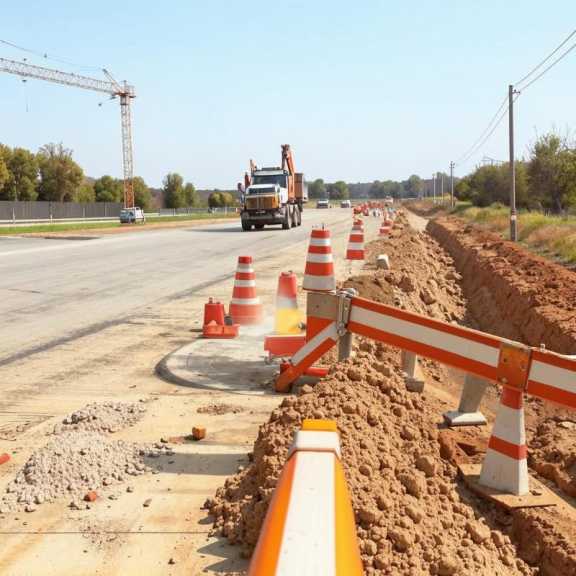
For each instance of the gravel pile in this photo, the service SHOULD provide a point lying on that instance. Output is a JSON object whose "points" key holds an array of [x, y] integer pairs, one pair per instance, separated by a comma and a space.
{"points": [[71, 465], [103, 417], [413, 517], [219, 409]]}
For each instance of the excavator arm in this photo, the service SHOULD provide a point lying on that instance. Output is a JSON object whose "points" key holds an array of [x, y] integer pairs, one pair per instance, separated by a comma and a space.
{"points": [[287, 159]]}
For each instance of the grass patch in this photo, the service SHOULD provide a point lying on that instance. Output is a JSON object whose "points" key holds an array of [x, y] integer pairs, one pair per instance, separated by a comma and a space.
{"points": [[77, 226]]}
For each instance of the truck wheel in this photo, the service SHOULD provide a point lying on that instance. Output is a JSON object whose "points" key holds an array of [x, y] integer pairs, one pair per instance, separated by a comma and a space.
{"points": [[294, 219], [246, 226], [286, 222], [297, 216]]}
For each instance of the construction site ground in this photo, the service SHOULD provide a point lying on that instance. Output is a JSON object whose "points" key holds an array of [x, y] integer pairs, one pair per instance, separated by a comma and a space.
{"points": [[159, 526]]}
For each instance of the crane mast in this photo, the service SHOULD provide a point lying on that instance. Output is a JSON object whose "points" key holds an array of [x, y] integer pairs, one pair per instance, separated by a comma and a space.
{"points": [[124, 91]]}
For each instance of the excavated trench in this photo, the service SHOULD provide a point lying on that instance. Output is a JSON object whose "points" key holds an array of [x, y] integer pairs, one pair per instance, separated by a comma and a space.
{"points": [[414, 515]]}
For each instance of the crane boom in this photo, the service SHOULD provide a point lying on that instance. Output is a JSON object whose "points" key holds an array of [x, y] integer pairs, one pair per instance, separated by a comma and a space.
{"points": [[124, 91]]}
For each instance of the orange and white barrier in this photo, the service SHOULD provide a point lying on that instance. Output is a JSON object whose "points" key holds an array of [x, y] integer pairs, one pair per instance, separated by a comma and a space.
{"points": [[355, 249], [518, 368], [309, 528], [245, 307], [505, 467], [319, 271]]}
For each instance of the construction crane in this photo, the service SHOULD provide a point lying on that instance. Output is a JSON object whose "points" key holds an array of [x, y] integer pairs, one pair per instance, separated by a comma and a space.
{"points": [[114, 89]]}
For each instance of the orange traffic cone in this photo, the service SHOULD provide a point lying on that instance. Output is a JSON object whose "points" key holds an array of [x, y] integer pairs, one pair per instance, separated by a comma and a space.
{"points": [[505, 467], [355, 249], [287, 315], [319, 272], [245, 307]]}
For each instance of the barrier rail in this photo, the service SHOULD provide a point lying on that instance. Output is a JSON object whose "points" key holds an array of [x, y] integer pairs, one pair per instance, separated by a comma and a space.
{"points": [[309, 527], [518, 368]]}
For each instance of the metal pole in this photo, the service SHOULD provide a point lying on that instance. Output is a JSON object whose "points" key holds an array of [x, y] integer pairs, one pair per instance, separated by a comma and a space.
{"points": [[452, 184], [442, 187], [434, 187], [513, 216]]}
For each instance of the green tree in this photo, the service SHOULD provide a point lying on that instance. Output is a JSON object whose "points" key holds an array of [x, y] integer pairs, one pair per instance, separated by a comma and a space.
{"points": [[174, 196], [338, 191], [228, 199], [60, 176], [23, 168], [192, 198], [413, 186], [142, 195], [551, 173], [108, 189], [215, 200], [5, 155], [317, 189], [85, 193]]}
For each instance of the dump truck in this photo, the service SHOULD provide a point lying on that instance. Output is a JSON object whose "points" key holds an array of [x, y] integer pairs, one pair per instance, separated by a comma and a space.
{"points": [[273, 195]]}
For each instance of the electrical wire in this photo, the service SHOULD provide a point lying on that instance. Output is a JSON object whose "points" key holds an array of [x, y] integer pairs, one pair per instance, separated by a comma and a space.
{"points": [[474, 145], [562, 56], [45, 56], [564, 42]]}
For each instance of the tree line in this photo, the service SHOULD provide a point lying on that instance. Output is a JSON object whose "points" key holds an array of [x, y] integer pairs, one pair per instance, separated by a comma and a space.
{"points": [[52, 175], [340, 190], [545, 181]]}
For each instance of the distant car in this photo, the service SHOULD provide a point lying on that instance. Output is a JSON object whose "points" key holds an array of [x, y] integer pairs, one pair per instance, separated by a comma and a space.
{"points": [[345, 204], [132, 215], [322, 204]]}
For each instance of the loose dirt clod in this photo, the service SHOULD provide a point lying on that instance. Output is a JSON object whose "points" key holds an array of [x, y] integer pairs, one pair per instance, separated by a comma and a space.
{"points": [[103, 417], [72, 464]]}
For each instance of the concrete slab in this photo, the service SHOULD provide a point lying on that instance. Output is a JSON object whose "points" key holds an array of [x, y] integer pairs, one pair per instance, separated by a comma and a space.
{"points": [[236, 365]]}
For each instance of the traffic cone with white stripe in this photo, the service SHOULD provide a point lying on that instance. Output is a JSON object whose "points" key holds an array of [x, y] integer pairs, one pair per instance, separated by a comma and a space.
{"points": [[319, 271], [355, 250], [245, 307], [288, 319], [505, 467]]}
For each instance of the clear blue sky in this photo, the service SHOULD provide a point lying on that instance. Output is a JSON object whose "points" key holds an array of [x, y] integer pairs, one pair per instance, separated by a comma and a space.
{"points": [[362, 90]]}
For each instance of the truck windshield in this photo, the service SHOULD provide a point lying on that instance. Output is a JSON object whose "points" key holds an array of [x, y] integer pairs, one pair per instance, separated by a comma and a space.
{"points": [[279, 179]]}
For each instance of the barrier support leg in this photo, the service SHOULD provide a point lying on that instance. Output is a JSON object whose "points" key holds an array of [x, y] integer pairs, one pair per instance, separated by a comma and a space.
{"points": [[414, 378], [468, 413], [345, 346]]}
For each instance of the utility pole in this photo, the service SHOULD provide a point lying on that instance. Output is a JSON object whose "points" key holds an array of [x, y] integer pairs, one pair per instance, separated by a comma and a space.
{"points": [[434, 187], [452, 184], [513, 215], [441, 187]]}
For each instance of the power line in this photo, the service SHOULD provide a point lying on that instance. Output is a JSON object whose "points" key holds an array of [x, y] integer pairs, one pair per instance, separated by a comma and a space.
{"points": [[45, 56], [474, 145], [548, 67], [517, 84]]}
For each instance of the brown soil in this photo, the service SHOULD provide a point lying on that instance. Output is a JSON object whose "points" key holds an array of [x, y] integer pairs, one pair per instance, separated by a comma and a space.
{"points": [[510, 291], [413, 515], [219, 409]]}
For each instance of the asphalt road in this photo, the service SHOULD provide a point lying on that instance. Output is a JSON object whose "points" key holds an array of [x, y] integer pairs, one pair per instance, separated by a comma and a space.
{"points": [[55, 290]]}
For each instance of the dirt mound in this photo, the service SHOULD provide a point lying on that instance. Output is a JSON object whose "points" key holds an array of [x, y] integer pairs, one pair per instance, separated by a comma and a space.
{"points": [[553, 452], [412, 516], [511, 292], [102, 417], [72, 464], [219, 409]]}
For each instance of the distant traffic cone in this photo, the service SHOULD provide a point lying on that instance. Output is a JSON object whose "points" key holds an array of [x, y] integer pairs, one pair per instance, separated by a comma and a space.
{"points": [[355, 250], [288, 318], [245, 307], [505, 467], [319, 272]]}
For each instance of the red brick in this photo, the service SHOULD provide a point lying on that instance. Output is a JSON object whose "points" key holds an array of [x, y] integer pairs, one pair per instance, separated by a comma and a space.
{"points": [[90, 496], [4, 458]]}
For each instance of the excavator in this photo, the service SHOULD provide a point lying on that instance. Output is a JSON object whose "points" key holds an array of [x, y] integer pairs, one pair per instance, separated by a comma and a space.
{"points": [[272, 196]]}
